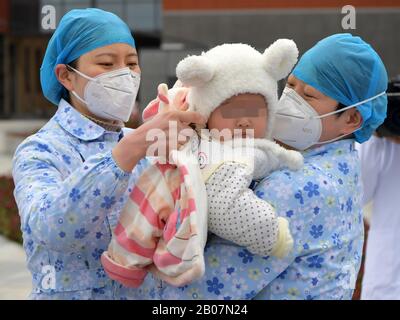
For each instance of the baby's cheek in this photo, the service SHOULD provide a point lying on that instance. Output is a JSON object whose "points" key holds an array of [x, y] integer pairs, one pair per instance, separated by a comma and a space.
{"points": [[260, 129]]}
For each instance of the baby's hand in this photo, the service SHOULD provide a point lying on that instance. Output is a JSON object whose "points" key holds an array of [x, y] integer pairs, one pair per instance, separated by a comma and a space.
{"points": [[177, 95], [167, 100]]}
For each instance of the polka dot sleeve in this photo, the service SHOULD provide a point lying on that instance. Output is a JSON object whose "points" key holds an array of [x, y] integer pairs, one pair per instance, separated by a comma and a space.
{"points": [[236, 213]]}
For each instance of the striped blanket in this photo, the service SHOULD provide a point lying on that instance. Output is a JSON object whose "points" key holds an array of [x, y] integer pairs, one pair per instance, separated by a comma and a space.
{"points": [[163, 227]]}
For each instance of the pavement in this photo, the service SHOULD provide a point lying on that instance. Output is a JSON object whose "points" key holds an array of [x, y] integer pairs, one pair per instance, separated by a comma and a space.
{"points": [[5, 165], [15, 279]]}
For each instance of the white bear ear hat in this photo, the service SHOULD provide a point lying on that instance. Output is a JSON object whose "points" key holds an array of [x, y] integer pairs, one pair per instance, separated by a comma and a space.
{"points": [[231, 69]]}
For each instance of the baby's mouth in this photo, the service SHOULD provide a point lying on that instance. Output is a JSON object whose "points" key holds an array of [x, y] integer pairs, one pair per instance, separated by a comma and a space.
{"points": [[243, 133], [247, 135]]}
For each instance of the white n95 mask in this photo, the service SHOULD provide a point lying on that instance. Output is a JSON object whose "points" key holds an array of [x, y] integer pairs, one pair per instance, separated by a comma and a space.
{"points": [[298, 125], [111, 95]]}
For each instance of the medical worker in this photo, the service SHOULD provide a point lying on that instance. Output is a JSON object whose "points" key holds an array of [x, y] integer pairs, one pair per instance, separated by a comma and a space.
{"points": [[73, 177], [334, 97], [380, 169]]}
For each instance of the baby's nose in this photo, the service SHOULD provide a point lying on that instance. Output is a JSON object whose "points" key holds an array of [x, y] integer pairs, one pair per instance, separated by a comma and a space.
{"points": [[243, 123]]}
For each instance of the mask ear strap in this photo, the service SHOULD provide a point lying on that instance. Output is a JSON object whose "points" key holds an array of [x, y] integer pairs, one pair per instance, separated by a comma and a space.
{"points": [[349, 107], [352, 106], [78, 97], [80, 73], [337, 138]]}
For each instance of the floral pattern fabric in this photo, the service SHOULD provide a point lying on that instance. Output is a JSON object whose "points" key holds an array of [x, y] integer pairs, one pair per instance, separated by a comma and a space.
{"points": [[69, 192], [322, 203]]}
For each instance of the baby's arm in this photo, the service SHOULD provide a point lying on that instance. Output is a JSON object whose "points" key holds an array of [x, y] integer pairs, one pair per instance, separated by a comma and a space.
{"points": [[238, 215]]}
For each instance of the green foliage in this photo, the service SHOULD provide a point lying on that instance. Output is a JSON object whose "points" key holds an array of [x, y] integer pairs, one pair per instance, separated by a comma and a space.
{"points": [[10, 225]]}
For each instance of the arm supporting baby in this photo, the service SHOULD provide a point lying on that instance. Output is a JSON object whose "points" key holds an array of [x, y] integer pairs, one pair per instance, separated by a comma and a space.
{"points": [[236, 214]]}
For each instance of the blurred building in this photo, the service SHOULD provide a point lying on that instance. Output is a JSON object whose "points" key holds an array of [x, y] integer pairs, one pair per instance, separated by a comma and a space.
{"points": [[168, 30], [23, 42]]}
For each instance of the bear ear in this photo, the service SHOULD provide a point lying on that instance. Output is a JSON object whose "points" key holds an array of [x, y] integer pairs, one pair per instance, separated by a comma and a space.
{"points": [[195, 71], [280, 58]]}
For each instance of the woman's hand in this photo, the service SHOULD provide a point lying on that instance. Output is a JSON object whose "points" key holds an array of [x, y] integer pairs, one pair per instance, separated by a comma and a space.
{"points": [[171, 128]]}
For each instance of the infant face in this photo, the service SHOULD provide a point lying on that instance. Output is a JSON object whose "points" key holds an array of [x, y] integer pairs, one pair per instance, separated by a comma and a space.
{"points": [[238, 113]]}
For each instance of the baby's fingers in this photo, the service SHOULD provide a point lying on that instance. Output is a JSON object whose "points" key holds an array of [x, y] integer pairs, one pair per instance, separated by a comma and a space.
{"points": [[184, 106], [180, 99]]}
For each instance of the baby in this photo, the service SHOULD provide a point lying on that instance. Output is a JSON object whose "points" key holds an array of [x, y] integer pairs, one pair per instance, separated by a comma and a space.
{"points": [[235, 88]]}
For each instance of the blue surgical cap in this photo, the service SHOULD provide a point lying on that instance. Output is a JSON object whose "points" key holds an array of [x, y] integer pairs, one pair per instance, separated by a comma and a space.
{"points": [[347, 69], [79, 32]]}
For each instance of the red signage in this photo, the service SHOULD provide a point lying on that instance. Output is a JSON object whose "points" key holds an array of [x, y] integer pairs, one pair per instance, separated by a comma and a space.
{"points": [[4, 16], [272, 4]]}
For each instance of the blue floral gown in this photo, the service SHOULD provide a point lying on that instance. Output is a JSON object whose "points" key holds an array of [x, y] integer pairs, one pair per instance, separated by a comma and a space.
{"points": [[70, 191], [322, 203]]}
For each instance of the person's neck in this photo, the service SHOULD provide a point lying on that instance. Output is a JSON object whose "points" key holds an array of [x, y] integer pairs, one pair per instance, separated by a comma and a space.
{"points": [[394, 139], [285, 145], [109, 125], [317, 145]]}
